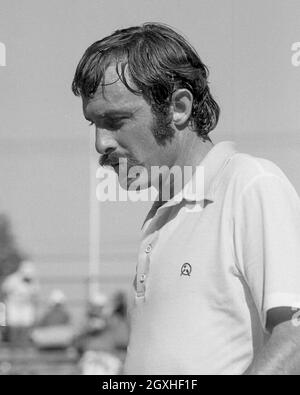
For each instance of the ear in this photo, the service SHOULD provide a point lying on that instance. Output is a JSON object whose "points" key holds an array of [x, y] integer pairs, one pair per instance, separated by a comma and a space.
{"points": [[182, 104]]}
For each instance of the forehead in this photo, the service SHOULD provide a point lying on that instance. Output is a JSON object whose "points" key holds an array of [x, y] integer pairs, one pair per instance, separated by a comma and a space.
{"points": [[114, 96]]}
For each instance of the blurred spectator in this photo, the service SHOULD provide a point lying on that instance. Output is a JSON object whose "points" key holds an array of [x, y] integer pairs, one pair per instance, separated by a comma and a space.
{"points": [[55, 330], [20, 291], [103, 340], [106, 329], [97, 313], [57, 313], [100, 363], [10, 259], [95, 323], [2, 321], [118, 324], [120, 305]]}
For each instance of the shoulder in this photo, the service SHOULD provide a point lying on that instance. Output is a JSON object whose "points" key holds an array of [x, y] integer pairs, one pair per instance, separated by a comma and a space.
{"points": [[247, 181], [244, 171]]}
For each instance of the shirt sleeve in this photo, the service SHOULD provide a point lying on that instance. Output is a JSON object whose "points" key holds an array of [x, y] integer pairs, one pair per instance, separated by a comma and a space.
{"points": [[267, 242]]}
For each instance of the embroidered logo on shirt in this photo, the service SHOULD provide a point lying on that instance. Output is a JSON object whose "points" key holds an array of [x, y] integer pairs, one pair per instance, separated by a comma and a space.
{"points": [[186, 269]]}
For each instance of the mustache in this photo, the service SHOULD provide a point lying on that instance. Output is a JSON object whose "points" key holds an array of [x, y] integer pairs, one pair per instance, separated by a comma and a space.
{"points": [[112, 159]]}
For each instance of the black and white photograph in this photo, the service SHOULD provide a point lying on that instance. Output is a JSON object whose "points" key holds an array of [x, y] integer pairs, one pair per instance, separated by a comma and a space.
{"points": [[149, 190]]}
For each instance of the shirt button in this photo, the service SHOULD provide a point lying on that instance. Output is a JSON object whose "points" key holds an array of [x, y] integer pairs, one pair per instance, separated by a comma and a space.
{"points": [[148, 249], [143, 278]]}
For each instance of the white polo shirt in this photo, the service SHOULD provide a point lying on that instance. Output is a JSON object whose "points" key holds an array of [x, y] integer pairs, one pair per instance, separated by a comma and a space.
{"points": [[206, 278]]}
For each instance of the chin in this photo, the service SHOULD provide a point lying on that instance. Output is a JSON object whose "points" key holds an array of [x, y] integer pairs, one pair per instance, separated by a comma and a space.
{"points": [[141, 183], [134, 184], [124, 184]]}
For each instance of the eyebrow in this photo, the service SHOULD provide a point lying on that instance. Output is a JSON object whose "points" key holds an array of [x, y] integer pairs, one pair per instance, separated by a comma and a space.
{"points": [[114, 113]]}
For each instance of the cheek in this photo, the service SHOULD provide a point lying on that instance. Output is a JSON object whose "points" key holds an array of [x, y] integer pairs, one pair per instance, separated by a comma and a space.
{"points": [[140, 141]]}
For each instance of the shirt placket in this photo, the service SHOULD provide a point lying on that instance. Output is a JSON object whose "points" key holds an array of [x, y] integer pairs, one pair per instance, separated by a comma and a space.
{"points": [[143, 268]]}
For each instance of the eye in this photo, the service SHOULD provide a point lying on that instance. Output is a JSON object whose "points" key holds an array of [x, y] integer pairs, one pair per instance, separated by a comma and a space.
{"points": [[114, 123]]}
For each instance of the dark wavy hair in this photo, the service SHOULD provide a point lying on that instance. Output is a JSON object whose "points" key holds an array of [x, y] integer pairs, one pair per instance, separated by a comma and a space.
{"points": [[159, 61]]}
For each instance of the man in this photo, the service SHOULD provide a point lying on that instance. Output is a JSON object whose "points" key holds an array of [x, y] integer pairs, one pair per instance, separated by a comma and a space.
{"points": [[217, 289], [20, 291], [54, 331]]}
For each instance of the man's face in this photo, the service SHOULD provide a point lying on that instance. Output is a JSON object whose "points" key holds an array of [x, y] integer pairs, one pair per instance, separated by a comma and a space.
{"points": [[124, 129]]}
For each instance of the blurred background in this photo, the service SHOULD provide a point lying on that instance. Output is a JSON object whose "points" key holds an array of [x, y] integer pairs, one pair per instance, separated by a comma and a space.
{"points": [[67, 262]]}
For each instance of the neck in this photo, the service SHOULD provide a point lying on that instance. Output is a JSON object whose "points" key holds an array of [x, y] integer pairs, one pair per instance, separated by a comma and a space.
{"points": [[192, 150]]}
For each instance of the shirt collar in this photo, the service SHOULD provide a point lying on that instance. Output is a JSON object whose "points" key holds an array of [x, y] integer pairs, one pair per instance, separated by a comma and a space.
{"points": [[203, 182], [202, 185]]}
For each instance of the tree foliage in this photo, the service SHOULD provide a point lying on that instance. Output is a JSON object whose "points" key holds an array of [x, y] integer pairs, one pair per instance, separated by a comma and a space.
{"points": [[10, 256]]}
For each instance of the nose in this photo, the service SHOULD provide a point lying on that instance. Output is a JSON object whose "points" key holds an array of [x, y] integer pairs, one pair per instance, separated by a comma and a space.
{"points": [[105, 142]]}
